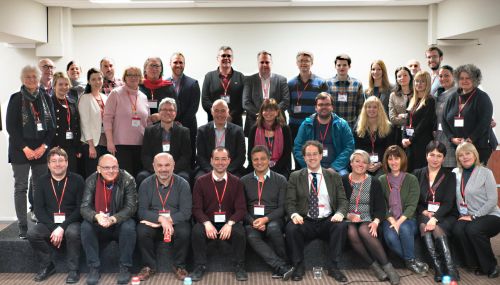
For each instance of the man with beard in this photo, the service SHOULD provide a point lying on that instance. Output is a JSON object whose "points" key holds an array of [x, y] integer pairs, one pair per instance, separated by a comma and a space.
{"points": [[434, 57], [108, 70], [331, 131]]}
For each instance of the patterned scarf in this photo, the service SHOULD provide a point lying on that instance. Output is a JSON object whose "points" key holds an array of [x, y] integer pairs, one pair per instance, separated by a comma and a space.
{"points": [[35, 101]]}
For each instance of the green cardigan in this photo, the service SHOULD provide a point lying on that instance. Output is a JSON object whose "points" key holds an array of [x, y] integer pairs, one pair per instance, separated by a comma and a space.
{"points": [[410, 192]]}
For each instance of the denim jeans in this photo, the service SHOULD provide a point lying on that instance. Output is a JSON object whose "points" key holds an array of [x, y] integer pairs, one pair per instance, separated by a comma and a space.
{"points": [[403, 244]]}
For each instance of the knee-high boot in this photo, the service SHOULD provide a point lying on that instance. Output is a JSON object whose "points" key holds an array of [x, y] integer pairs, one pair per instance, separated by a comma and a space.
{"points": [[442, 242], [436, 262]]}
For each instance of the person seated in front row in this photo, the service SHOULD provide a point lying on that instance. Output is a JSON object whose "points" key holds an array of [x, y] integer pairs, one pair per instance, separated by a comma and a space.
{"points": [[109, 202], [218, 209], [265, 195], [220, 133], [331, 131], [165, 214], [166, 136], [316, 204], [57, 207]]}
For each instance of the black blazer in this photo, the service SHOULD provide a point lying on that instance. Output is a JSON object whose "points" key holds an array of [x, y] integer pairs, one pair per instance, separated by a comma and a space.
{"points": [[378, 208], [284, 164], [445, 193], [180, 147], [234, 143], [189, 100], [212, 90]]}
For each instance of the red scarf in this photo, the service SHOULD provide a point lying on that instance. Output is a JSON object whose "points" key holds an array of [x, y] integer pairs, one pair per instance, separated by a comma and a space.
{"points": [[277, 142], [155, 84], [103, 196]]}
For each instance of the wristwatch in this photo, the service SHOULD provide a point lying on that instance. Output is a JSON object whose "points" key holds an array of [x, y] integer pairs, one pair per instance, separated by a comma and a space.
{"points": [[231, 223]]}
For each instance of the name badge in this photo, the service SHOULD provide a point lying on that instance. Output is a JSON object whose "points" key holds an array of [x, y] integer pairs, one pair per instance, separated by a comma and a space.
{"points": [[462, 209], [164, 213], [166, 147], [325, 153], [59, 218], [39, 126], [220, 217], [342, 97], [226, 98], [152, 104], [297, 109], [136, 122], [440, 127], [459, 122], [69, 135], [409, 132], [433, 206], [373, 158], [258, 210]]}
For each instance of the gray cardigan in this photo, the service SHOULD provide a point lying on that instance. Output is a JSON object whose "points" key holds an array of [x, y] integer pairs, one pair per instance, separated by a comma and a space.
{"points": [[480, 192]]}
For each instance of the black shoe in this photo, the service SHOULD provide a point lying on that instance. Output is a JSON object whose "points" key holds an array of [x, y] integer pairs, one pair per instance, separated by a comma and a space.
{"points": [[276, 274], [123, 275], [44, 273], [73, 277], [412, 265], [337, 274], [93, 276], [298, 272], [198, 272], [494, 273], [240, 273], [286, 272], [23, 235]]}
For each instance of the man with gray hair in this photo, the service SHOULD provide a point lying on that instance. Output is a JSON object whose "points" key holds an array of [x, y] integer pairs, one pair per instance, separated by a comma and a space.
{"points": [[46, 66], [166, 136], [110, 82]]}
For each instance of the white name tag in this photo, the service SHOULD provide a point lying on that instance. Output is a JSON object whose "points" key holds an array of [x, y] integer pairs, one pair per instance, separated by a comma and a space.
{"points": [[166, 147], [226, 98], [374, 158], [153, 104], [325, 153], [59, 218], [39, 126], [165, 213], [433, 206], [220, 217], [440, 127], [258, 210], [342, 97], [297, 109], [136, 122], [462, 209], [69, 135], [459, 122], [409, 132]]}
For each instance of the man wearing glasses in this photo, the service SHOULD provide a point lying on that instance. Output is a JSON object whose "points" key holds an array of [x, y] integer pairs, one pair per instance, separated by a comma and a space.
{"points": [[47, 68], [108, 205], [224, 83], [331, 131]]}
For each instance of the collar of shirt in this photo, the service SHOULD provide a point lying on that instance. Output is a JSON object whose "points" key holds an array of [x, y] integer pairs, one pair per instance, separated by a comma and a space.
{"points": [[267, 175], [336, 79], [225, 126], [228, 75], [266, 79], [219, 179], [320, 171]]}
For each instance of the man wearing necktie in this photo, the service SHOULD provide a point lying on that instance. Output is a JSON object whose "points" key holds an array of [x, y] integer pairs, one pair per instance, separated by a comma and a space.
{"points": [[316, 204]]}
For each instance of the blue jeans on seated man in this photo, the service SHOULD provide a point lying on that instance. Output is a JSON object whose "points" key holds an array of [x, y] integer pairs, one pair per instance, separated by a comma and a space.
{"points": [[403, 244]]}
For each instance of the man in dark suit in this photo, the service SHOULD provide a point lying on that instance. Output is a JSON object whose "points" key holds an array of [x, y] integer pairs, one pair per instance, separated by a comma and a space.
{"points": [[316, 204], [263, 85], [187, 90], [220, 133], [166, 136], [224, 83]]}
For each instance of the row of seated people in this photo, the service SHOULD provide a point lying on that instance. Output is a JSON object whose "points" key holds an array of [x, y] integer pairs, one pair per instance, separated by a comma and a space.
{"points": [[315, 202]]}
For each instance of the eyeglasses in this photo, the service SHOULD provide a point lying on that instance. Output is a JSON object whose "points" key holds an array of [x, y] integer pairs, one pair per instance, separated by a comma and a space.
{"points": [[47, 66], [133, 75], [54, 161], [154, 66], [226, 55], [167, 110], [109, 168]]}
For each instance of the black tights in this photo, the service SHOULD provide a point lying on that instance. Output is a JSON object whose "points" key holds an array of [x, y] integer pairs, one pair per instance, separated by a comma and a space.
{"points": [[365, 244], [436, 233]]}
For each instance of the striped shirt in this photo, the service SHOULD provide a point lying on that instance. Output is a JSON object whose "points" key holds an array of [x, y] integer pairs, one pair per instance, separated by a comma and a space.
{"points": [[304, 95]]}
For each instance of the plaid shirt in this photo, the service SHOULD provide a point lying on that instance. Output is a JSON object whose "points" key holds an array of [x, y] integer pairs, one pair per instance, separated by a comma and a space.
{"points": [[109, 85], [353, 88]]}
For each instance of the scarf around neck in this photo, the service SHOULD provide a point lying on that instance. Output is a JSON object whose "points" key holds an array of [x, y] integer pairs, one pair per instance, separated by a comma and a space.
{"points": [[277, 147], [35, 102], [155, 84]]}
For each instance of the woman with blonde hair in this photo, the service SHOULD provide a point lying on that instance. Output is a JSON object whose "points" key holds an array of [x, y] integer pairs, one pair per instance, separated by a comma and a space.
{"points": [[373, 133], [378, 83], [420, 123]]}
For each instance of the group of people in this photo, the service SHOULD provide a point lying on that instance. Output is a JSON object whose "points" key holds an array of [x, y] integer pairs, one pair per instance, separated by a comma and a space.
{"points": [[352, 148]]}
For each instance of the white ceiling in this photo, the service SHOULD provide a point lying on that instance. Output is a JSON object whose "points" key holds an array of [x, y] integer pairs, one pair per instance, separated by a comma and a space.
{"points": [[97, 4]]}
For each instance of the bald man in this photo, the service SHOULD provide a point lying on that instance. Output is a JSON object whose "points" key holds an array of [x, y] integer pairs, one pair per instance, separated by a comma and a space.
{"points": [[414, 66], [165, 205], [108, 205]]}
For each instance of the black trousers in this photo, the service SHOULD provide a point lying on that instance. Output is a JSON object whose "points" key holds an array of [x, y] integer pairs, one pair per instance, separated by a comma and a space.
{"points": [[199, 241], [147, 236], [269, 244], [39, 238], [333, 233], [474, 239], [129, 158]]}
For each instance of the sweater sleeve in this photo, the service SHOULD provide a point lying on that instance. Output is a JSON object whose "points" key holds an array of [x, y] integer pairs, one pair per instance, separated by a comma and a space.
{"points": [[185, 202], [491, 194], [198, 198], [240, 205], [279, 212], [410, 204], [75, 216]]}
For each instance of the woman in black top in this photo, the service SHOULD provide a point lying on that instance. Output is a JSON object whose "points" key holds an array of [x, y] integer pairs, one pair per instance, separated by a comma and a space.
{"points": [[436, 210]]}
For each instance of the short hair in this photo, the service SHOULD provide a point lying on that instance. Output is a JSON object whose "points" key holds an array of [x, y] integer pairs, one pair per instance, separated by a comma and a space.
{"points": [[220, 148], [30, 68], [260, 148], [168, 100], [447, 67], [93, 70], [435, 145], [219, 102], [270, 104], [105, 156], [395, 151], [362, 153], [56, 151], [323, 96], [313, 143], [177, 53], [106, 59], [343, 56], [264, 52], [68, 66], [467, 147], [168, 155], [434, 48], [472, 71], [305, 53], [224, 48], [132, 69], [60, 75], [147, 62], [398, 88]]}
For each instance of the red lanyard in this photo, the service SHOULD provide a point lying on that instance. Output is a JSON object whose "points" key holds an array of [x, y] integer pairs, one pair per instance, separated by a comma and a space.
{"points": [[433, 188], [269, 143], [107, 193], [225, 86], [219, 198], [219, 141], [68, 112], [132, 104], [152, 95], [299, 93], [59, 201], [163, 202], [260, 188], [389, 184], [322, 136], [466, 101], [35, 112], [319, 184], [373, 138], [359, 191]]}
